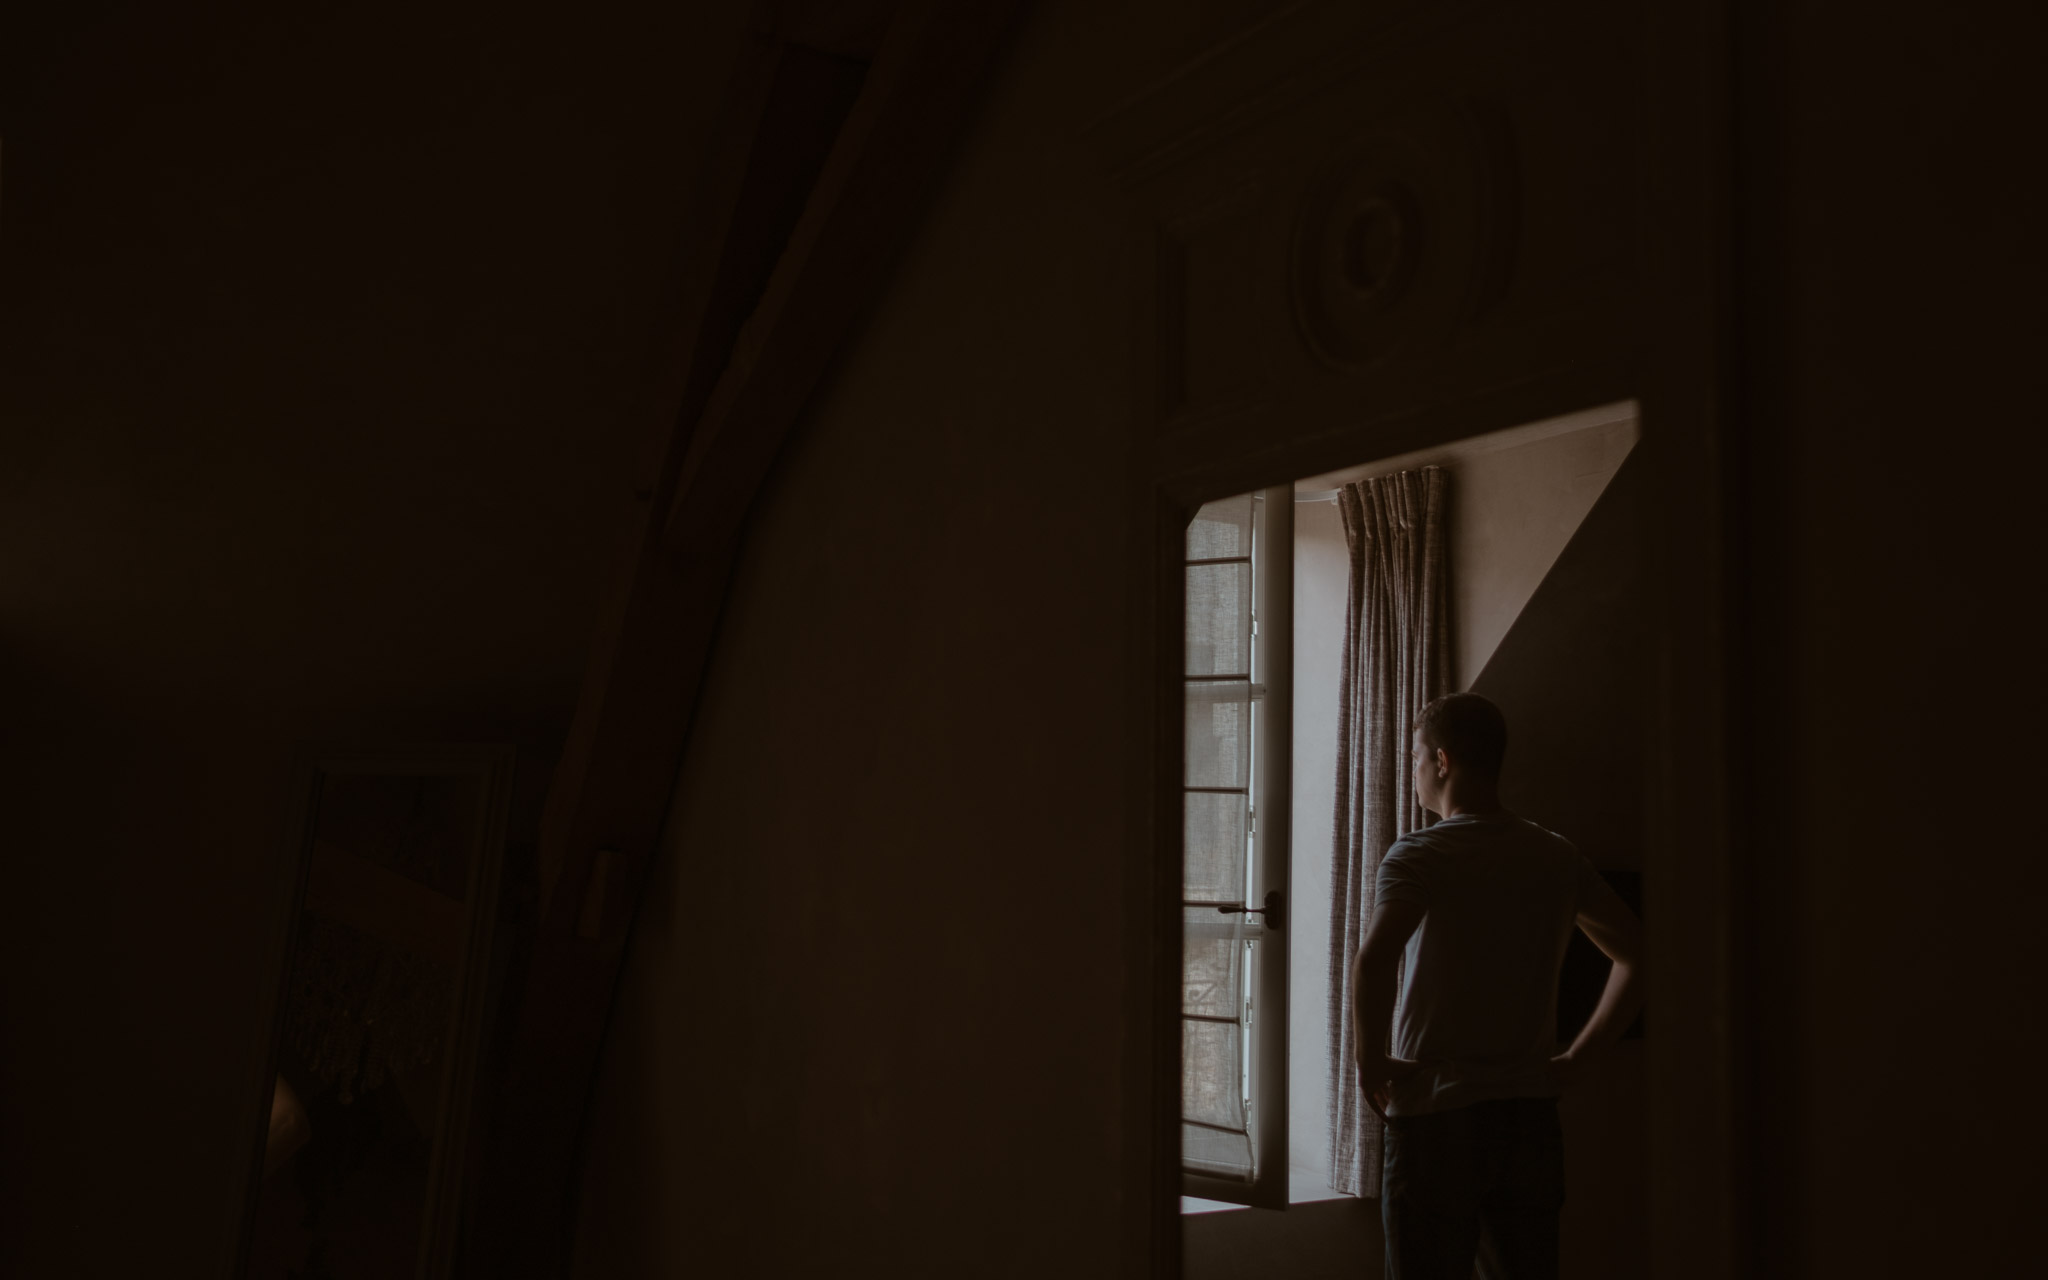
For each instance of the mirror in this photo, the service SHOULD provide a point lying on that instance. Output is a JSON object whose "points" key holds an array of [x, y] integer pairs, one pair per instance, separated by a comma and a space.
{"points": [[362, 1123]]}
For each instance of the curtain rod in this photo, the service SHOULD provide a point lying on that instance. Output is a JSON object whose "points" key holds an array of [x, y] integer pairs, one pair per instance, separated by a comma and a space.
{"points": [[1331, 495]]}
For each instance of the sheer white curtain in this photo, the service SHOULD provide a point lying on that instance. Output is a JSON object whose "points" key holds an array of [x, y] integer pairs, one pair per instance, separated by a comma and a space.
{"points": [[1397, 656]]}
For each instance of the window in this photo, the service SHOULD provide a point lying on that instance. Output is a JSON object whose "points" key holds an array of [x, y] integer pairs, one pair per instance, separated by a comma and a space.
{"points": [[1235, 795]]}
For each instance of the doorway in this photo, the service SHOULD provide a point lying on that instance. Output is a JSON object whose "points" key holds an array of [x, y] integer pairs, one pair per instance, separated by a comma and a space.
{"points": [[1521, 513]]}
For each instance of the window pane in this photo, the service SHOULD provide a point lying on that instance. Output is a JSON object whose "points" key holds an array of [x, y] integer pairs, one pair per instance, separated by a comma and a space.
{"points": [[1213, 1151], [1212, 1073], [1219, 742], [1215, 836], [1222, 529], [1212, 970], [1219, 620]]}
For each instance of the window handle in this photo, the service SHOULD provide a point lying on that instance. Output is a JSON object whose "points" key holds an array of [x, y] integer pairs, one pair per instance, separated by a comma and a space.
{"points": [[1274, 915]]}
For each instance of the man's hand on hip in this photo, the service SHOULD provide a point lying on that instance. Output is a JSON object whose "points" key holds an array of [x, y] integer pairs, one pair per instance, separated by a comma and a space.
{"points": [[1378, 1076]]}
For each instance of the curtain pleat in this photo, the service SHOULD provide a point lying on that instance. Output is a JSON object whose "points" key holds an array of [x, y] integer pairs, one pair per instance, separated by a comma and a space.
{"points": [[1397, 640]]}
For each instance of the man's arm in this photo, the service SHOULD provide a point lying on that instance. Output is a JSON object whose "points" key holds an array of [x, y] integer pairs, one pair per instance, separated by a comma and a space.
{"points": [[1614, 929], [1372, 998]]}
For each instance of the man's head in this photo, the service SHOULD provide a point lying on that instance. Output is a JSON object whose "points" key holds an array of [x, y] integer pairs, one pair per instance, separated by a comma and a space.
{"points": [[1460, 740]]}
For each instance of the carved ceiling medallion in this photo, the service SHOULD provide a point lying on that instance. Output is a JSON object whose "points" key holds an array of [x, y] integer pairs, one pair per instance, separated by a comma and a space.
{"points": [[1401, 236]]}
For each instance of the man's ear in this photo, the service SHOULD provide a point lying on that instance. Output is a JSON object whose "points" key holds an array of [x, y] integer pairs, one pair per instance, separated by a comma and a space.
{"points": [[1443, 763]]}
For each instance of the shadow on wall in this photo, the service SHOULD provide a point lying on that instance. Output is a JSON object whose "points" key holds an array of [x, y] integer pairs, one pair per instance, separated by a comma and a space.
{"points": [[1575, 676]]}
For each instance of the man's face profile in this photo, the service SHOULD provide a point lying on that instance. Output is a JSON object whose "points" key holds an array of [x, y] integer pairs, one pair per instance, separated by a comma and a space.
{"points": [[1427, 784]]}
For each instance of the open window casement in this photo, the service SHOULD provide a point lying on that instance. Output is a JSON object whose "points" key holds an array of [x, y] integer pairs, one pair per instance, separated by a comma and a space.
{"points": [[1238, 689]]}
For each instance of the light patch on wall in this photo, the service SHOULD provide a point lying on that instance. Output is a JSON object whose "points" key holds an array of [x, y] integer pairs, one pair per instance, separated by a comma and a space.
{"points": [[1517, 497]]}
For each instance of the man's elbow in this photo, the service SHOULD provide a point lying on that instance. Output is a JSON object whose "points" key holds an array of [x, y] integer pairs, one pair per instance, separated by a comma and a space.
{"points": [[1633, 955], [1634, 981], [1373, 962]]}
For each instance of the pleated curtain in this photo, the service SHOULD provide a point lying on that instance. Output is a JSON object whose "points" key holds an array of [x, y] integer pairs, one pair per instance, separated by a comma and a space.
{"points": [[1397, 656]]}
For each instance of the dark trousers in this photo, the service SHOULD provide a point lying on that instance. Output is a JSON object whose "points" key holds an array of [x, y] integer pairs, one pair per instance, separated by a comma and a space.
{"points": [[1485, 1180]]}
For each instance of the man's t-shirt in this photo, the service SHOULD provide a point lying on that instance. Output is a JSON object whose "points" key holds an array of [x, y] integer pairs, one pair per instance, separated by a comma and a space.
{"points": [[1478, 1002]]}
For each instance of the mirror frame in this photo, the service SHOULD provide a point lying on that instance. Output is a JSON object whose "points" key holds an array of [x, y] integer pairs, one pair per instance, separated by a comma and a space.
{"points": [[450, 1161]]}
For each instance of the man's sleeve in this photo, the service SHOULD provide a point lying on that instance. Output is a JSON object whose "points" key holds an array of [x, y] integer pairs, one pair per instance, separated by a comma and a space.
{"points": [[1401, 877]]}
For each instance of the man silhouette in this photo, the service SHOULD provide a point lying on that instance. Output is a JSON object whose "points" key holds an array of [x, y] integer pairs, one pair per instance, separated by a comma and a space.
{"points": [[1482, 905]]}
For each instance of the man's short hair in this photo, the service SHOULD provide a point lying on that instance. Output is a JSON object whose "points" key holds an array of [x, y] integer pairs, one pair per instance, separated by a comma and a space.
{"points": [[1470, 728]]}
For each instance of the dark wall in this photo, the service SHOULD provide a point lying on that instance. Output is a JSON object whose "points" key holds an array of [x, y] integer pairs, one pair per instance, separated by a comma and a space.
{"points": [[1891, 523], [325, 330]]}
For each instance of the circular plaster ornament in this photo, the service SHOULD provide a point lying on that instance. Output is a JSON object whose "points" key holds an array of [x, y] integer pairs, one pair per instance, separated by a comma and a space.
{"points": [[1401, 236]]}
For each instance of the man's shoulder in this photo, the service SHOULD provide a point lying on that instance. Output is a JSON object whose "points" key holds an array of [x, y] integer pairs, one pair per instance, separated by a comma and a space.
{"points": [[1422, 840], [1429, 842], [1545, 835], [1453, 835]]}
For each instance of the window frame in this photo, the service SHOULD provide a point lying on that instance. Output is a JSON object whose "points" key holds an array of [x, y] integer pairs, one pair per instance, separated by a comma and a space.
{"points": [[1271, 858]]}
